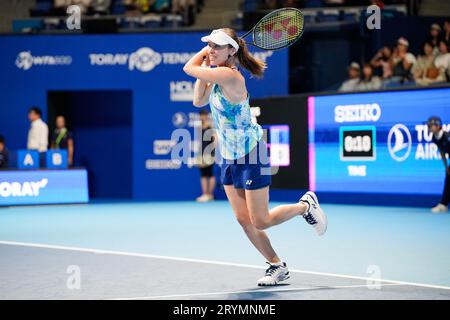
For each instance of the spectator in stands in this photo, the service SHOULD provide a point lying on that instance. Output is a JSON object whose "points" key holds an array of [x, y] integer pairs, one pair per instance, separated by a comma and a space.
{"points": [[424, 70], [290, 4], [442, 61], [62, 139], [382, 60], [402, 61], [270, 5], [3, 154], [350, 84], [60, 6], [136, 7], [179, 6], [447, 31], [434, 37], [38, 133], [160, 6], [368, 80], [99, 7]]}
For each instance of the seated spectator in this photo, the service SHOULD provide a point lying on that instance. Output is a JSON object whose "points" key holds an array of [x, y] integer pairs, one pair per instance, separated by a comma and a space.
{"points": [[137, 7], [353, 74], [424, 70], [270, 5], [382, 61], [3, 154], [179, 6], [368, 80], [402, 61], [99, 7], [447, 31], [290, 3], [60, 6], [442, 61], [434, 37], [160, 6]]}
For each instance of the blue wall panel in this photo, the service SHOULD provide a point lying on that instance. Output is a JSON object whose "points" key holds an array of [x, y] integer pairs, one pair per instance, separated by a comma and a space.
{"points": [[145, 64]]}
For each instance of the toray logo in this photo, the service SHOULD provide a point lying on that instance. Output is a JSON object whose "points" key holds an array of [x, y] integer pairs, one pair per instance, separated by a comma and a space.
{"points": [[145, 59], [399, 142], [22, 189], [25, 60]]}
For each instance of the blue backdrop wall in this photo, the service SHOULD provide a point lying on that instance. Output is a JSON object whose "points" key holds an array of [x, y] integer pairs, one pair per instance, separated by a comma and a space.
{"points": [[147, 65]]}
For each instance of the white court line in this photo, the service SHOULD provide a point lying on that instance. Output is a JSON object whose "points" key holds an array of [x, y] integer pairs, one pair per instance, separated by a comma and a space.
{"points": [[247, 291], [143, 255]]}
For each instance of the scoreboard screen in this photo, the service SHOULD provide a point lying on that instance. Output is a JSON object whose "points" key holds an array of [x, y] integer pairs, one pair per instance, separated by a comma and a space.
{"points": [[357, 143], [376, 142]]}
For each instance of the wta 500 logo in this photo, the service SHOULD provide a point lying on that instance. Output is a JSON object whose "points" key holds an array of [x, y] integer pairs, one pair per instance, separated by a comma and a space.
{"points": [[25, 60]]}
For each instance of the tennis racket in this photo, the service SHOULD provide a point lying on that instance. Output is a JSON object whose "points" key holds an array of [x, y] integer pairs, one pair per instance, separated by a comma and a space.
{"points": [[278, 29]]}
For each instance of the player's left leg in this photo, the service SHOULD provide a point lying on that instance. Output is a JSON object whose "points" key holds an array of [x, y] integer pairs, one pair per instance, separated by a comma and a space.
{"points": [[308, 207]]}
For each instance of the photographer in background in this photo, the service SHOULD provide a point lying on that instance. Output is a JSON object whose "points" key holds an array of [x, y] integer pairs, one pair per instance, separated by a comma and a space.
{"points": [[442, 139]]}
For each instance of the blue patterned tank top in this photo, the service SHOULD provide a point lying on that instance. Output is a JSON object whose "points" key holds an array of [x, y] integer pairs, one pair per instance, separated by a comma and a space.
{"points": [[237, 134]]}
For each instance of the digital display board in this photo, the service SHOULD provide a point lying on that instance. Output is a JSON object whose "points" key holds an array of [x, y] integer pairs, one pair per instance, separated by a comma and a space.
{"points": [[376, 142]]}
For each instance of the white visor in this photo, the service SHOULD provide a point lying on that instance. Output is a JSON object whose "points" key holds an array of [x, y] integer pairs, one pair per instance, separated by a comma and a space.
{"points": [[221, 38]]}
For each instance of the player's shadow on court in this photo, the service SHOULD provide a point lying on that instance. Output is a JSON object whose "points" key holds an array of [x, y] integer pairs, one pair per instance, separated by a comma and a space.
{"points": [[263, 293]]}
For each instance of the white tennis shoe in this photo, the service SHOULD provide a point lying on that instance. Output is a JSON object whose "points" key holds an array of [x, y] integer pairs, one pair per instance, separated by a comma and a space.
{"points": [[439, 208], [274, 275], [314, 215]]}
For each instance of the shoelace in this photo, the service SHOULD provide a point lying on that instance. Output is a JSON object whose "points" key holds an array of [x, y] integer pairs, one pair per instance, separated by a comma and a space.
{"points": [[310, 219], [272, 269]]}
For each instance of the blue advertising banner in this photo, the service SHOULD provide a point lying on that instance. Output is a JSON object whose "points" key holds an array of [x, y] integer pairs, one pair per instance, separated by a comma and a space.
{"points": [[149, 66], [376, 142], [43, 187]]}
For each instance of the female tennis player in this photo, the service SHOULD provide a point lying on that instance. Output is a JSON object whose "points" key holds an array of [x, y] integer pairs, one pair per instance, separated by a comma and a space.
{"points": [[246, 182]]}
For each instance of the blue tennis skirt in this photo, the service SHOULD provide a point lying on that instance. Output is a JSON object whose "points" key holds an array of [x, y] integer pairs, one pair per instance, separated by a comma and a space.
{"points": [[251, 172]]}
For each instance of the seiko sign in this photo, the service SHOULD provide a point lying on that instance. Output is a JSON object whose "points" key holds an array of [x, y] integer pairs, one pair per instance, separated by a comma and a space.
{"points": [[357, 113]]}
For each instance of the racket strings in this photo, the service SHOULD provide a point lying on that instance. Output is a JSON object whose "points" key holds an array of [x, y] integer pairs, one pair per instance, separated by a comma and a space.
{"points": [[278, 30]]}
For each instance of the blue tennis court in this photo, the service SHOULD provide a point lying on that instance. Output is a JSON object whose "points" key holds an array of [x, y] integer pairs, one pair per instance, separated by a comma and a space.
{"points": [[188, 250]]}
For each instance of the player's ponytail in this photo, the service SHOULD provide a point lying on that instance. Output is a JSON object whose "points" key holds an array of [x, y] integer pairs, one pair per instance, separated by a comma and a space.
{"points": [[246, 60]]}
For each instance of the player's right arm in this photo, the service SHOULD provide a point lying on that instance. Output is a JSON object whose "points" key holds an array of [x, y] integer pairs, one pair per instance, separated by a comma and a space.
{"points": [[202, 89]]}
